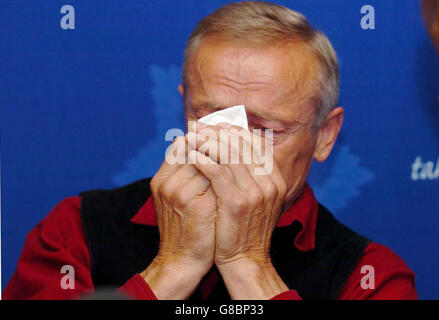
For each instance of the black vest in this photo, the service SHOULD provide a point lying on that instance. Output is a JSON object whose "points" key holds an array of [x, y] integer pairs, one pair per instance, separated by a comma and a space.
{"points": [[119, 248]]}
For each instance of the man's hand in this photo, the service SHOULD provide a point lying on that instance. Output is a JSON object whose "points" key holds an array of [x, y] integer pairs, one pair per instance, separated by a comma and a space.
{"points": [[248, 208], [186, 208]]}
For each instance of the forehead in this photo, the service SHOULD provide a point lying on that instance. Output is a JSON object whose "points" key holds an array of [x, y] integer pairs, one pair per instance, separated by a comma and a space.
{"points": [[271, 81]]}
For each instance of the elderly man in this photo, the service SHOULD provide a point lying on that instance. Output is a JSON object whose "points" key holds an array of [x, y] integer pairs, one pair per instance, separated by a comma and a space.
{"points": [[208, 229]]}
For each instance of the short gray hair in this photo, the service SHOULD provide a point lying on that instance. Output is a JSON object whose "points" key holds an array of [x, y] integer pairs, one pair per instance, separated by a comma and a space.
{"points": [[259, 23]]}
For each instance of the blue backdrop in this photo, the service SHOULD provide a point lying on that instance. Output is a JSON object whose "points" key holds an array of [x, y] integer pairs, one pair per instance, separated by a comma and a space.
{"points": [[88, 108]]}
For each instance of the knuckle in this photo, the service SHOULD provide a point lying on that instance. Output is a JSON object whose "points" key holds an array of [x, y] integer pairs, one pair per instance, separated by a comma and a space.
{"points": [[271, 189], [240, 203], [180, 199], [257, 196], [165, 190], [217, 170], [282, 189], [154, 184], [179, 144]]}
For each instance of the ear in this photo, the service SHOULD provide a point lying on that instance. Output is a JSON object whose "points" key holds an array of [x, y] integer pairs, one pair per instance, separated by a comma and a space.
{"points": [[180, 89], [327, 134]]}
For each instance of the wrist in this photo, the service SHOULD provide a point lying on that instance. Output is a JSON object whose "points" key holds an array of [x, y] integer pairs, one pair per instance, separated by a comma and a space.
{"points": [[251, 279], [174, 279]]}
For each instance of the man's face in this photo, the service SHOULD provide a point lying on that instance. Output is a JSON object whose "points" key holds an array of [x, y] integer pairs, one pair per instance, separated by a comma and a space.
{"points": [[274, 84]]}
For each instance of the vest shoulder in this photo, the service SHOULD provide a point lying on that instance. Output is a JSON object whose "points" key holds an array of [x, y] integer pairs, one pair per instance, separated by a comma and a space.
{"points": [[330, 228], [127, 189], [319, 273], [126, 199], [118, 248]]}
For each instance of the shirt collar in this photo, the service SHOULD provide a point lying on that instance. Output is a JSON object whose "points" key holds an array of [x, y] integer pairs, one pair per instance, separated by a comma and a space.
{"points": [[304, 210]]}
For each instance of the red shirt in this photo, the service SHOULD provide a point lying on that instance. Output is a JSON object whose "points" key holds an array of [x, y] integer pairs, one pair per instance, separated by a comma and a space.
{"points": [[59, 240]]}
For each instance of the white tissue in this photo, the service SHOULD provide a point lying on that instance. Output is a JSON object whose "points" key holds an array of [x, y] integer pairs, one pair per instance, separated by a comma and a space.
{"points": [[234, 115]]}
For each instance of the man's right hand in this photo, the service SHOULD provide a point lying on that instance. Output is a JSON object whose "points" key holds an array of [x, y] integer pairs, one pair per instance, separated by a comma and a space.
{"points": [[185, 206]]}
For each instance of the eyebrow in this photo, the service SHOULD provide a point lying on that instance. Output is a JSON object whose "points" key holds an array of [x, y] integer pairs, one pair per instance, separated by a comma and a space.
{"points": [[273, 124], [269, 122], [251, 116], [209, 105]]}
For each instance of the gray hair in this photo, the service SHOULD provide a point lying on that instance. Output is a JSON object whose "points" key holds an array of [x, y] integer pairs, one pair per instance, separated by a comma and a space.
{"points": [[258, 24]]}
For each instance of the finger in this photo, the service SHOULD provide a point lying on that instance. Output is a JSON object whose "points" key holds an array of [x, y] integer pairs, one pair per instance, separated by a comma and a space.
{"points": [[228, 153], [261, 170], [197, 185], [181, 177], [262, 176], [193, 187], [235, 167], [175, 158], [263, 167], [221, 181], [224, 144]]}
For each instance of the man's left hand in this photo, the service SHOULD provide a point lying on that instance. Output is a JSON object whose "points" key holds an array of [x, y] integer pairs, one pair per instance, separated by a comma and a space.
{"points": [[249, 205]]}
